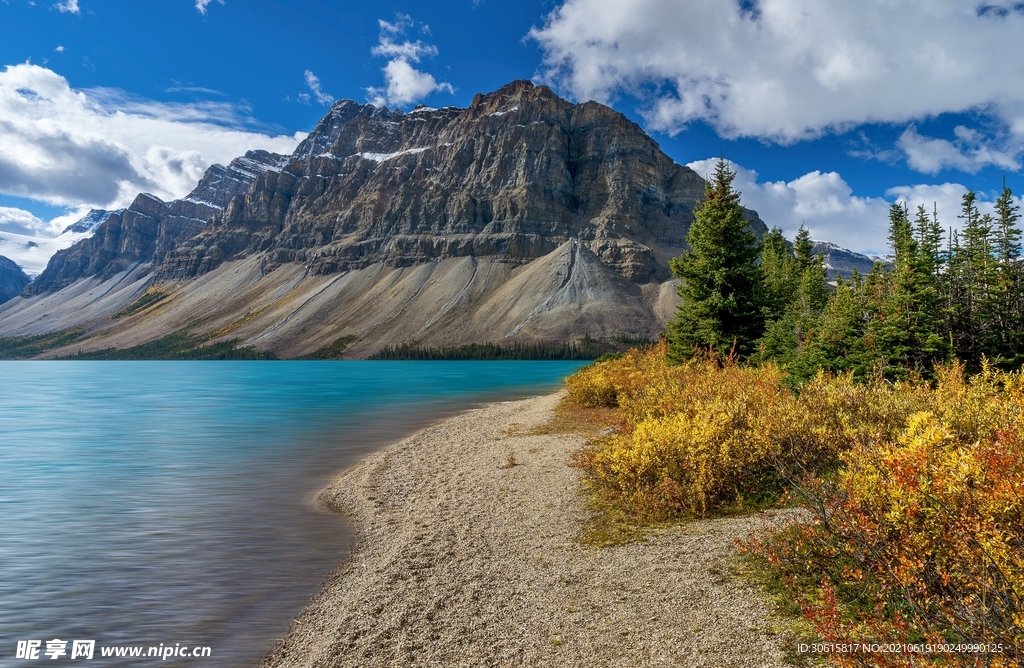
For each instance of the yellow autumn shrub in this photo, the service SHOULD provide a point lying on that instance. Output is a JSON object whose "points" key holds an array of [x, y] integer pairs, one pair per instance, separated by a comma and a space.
{"points": [[916, 492], [698, 436], [600, 385], [919, 537]]}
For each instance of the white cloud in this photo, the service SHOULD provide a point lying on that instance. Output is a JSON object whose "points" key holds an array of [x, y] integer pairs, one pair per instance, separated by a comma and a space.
{"points": [[403, 83], [314, 86], [823, 202], [69, 6], [402, 22], [388, 48], [969, 152], [201, 5], [102, 147], [20, 221], [787, 70], [826, 205], [59, 49]]}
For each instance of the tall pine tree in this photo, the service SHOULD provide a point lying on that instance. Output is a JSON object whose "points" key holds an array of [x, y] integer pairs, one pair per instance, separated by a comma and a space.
{"points": [[1006, 345], [722, 287]]}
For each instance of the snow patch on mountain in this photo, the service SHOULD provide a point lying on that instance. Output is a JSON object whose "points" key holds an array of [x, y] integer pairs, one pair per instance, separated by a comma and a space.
{"points": [[32, 253], [381, 157]]}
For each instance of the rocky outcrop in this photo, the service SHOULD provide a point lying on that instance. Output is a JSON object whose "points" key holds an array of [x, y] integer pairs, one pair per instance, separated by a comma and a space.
{"points": [[149, 229], [522, 217], [12, 279], [514, 176], [90, 221]]}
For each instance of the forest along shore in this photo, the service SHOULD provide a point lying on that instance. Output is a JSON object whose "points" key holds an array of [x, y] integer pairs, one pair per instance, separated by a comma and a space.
{"points": [[469, 555]]}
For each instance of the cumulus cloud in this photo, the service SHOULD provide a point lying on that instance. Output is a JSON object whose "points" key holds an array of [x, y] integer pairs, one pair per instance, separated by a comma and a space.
{"points": [[314, 89], [403, 83], [201, 5], [102, 147], [826, 205], [788, 70], [20, 221], [823, 202], [69, 6], [969, 152]]}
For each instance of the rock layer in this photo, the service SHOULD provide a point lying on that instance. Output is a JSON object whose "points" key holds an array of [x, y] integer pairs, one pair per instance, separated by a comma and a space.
{"points": [[148, 229], [521, 217]]}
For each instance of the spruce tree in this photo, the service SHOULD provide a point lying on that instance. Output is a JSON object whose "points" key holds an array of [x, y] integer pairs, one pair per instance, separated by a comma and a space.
{"points": [[1006, 345], [838, 343], [722, 287], [780, 272], [906, 327]]}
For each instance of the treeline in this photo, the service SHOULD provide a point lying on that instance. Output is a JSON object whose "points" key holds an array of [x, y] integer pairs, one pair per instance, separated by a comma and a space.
{"points": [[585, 349], [178, 346], [27, 347], [944, 294]]}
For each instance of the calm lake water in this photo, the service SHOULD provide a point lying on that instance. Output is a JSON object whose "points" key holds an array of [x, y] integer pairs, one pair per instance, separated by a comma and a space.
{"points": [[171, 502]]}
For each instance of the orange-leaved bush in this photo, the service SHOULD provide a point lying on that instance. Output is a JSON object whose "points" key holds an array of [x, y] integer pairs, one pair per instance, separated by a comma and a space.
{"points": [[919, 537], [916, 493]]}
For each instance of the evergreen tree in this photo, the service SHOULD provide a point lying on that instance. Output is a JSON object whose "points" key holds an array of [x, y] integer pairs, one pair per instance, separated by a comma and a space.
{"points": [[722, 287], [812, 291], [1007, 238], [803, 248], [780, 272], [1006, 346], [837, 344], [906, 328], [975, 274], [796, 283]]}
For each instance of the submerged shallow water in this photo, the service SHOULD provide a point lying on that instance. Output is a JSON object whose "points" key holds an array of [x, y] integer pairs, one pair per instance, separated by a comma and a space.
{"points": [[148, 503]]}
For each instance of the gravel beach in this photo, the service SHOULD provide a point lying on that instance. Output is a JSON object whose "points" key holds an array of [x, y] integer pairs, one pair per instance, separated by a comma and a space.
{"points": [[463, 560]]}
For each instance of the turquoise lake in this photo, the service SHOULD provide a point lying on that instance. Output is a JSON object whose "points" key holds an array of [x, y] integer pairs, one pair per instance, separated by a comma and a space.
{"points": [[171, 502]]}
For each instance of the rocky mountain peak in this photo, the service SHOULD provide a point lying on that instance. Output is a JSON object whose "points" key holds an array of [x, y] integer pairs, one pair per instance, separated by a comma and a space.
{"points": [[327, 130], [522, 216], [515, 175], [90, 221]]}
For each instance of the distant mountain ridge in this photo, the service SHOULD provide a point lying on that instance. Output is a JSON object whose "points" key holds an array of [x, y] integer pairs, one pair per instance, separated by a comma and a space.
{"points": [[149, 227], [522, 217], [12, 279], [841, 261]]}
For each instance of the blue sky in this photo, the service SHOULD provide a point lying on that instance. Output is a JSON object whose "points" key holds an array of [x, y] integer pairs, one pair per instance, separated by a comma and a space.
{"points": [[829, 111]]}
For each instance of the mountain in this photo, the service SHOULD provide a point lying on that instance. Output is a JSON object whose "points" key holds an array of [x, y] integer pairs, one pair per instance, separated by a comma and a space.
{"points": [[148, 229], [12, 279], [90, 221], [842, 262], [521, 218]]}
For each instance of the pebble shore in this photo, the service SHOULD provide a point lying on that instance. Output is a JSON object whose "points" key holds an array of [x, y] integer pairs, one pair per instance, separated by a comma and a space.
{"points": [[464, 560]]}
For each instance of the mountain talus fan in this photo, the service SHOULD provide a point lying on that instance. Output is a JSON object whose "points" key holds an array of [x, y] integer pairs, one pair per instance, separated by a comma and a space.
{"points": [[521, 219]]}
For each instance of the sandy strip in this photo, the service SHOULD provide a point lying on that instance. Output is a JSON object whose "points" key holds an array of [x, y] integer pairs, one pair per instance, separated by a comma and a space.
{"points": [[462, 562]]}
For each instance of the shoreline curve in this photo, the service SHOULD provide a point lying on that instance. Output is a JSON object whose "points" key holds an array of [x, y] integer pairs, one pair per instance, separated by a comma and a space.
{"points": [[462, 560]]}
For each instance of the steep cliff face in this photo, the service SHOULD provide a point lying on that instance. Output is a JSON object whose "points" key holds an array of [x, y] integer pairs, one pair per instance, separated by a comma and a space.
{"points": [[148, 229], [514, 176], [12, 279], [521, 217]]}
